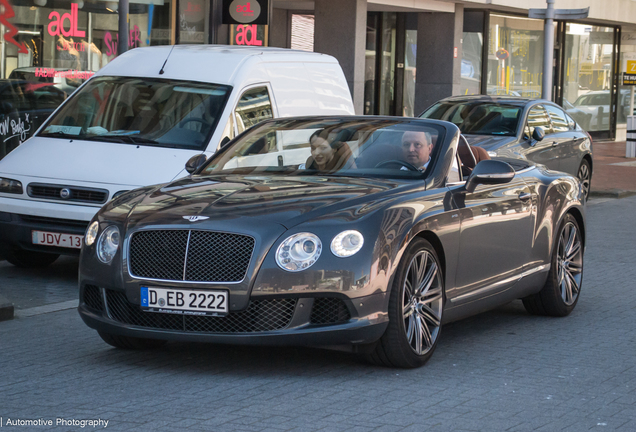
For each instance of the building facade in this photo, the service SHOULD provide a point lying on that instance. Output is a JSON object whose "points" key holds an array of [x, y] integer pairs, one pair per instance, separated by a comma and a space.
{"points": [[399, 56]]}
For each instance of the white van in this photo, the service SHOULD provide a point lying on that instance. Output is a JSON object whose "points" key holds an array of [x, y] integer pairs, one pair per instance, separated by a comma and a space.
{"points": [[137, 122]]}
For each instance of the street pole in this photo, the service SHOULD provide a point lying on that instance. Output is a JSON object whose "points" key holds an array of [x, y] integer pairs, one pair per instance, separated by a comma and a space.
{"points": [[122, 45], [548, 52]]}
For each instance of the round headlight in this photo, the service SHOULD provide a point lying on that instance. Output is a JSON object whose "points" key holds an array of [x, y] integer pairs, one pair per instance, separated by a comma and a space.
{"points": [[298, 252], [108, 244], [347, 243], [91, 233]]}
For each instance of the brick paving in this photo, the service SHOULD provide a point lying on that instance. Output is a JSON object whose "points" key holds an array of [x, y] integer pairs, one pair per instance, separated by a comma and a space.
{"points": [[609, 178], [500, 371]]}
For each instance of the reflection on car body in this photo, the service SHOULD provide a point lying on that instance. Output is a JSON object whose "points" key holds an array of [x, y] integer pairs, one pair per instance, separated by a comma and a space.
{"points": [[364, 256]]}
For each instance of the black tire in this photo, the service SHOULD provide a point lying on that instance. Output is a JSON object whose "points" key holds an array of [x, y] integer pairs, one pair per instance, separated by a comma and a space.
{"points": [[131, 343], [30, 259], [584, 175], [408, 313], [553, 299]]}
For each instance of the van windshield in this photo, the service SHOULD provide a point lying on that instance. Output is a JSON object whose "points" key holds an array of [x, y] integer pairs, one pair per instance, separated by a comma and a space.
{"points": [[141, 111]]}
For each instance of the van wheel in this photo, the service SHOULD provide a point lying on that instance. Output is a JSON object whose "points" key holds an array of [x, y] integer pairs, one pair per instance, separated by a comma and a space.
{"points": [[131, 343], [30, 259]]}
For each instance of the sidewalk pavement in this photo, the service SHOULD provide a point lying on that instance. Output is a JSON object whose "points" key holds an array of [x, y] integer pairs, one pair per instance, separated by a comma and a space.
{"points": [[614, 175]]}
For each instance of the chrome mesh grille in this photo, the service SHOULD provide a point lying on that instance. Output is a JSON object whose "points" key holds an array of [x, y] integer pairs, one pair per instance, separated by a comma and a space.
{"points": [[328, 310], [93, 297], [260, 316], [158, 254], [211, 256]]}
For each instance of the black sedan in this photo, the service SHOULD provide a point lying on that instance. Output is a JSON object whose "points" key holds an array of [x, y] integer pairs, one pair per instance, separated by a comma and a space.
{"points": [[537, 130], [359, 233]]}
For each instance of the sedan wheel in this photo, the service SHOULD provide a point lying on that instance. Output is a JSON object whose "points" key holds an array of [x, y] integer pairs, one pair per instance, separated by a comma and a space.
{"points": [[585, 177], [415, 310], [563, 286]]}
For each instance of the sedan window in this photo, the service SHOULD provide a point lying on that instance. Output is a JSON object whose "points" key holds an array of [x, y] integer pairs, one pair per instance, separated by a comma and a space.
{"points": [[537, 117], [558, 117]]}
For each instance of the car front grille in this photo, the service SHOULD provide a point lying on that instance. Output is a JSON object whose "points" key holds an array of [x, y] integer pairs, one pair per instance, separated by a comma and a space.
{"points": [[75, 193], [327, 310], [54, 222], [190, 255], [93, 297], [260, 316]]}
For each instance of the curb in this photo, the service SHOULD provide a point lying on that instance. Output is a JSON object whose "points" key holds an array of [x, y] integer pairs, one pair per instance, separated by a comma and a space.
{"points": [[6, 309], [612, 193]]}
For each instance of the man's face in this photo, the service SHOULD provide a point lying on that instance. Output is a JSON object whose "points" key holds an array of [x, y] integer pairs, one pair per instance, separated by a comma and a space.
{"points": [[416, 148]]}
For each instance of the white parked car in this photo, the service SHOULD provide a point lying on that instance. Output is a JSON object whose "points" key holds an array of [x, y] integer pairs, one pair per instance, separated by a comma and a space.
{"points": [[138, 121]]}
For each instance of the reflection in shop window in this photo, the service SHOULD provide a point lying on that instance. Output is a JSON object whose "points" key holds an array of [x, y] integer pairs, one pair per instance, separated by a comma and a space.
{"points": [[588, 76], [515, 56]]}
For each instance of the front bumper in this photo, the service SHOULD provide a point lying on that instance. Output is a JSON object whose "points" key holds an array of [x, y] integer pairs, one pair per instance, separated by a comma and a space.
{"points": [[298, 319], [16, 232]]}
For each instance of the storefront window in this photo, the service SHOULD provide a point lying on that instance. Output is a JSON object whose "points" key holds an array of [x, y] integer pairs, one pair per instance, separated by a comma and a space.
{"points": [[472, 48], [373, 19], [410, 58], [515, 56], [73, 40], [387, 63], [588, 76]]}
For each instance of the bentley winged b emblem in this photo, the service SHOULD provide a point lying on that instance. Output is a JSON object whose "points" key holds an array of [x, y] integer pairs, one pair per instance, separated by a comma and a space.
{"points": [[195, 218]]}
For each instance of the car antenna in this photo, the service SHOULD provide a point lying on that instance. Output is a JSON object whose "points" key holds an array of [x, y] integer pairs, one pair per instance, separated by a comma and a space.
{"points": [[164, 63]]}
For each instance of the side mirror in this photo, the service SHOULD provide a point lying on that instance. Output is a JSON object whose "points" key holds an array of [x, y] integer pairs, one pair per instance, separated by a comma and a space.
{"points": [[195, 162], [538, 133], [490, 172]]}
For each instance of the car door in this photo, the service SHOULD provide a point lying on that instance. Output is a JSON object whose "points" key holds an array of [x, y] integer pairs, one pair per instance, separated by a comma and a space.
{"points": [[495, 237], [562, 138], [544, 151]]}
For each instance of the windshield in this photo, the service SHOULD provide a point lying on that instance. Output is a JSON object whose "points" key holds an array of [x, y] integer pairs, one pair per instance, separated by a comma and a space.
{"points": [[478, 117], [141, 111], [343, 147]]}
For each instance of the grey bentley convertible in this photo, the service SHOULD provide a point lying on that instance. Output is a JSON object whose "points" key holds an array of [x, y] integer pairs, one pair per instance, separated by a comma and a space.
{"points": [[364, 233]]}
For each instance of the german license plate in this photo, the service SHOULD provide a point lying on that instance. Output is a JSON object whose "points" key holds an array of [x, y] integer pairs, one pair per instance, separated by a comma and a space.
{"points": [[45, 238], [185, 302]]}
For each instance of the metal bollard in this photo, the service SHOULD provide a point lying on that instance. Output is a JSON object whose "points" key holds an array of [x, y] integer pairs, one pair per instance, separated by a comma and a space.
{"points": [[630, 144]]}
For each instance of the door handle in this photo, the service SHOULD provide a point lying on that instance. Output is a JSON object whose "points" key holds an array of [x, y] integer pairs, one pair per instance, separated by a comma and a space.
{"points": [[555, 143], [525, 196]]}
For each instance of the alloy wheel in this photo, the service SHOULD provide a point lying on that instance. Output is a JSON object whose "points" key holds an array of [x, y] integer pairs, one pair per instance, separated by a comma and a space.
{"points": [[570, 263], [422, 302], [584, 178]]}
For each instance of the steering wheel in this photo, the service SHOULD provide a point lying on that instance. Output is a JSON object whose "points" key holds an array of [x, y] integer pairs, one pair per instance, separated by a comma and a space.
{"points": [[398, 162]]}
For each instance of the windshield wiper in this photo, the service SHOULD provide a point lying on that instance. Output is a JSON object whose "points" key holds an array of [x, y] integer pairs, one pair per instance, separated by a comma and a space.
{"points": [[59, 135], [126, 139]]}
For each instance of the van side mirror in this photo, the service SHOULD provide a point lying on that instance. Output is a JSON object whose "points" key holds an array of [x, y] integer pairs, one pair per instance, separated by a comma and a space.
{"points": [[195, 162], [538, 133], [490, 172]]}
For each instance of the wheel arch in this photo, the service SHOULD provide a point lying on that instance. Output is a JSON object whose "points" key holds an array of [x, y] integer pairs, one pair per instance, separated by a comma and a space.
{"points": [[576, 213], [588, 158], [432, 238]]}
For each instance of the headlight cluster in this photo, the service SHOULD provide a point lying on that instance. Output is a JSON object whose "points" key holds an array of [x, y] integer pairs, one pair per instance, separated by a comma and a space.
{"points": [[107, 243], [10, 186], [300, 251]]}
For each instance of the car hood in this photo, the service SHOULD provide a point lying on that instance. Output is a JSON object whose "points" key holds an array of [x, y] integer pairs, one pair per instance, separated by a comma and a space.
{"points": [[95, 162], [251, 201], [489, 142]]}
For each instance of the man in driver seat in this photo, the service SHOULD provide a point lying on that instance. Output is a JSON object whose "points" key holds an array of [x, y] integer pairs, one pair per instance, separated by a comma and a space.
{"points": [[417, 148]]}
